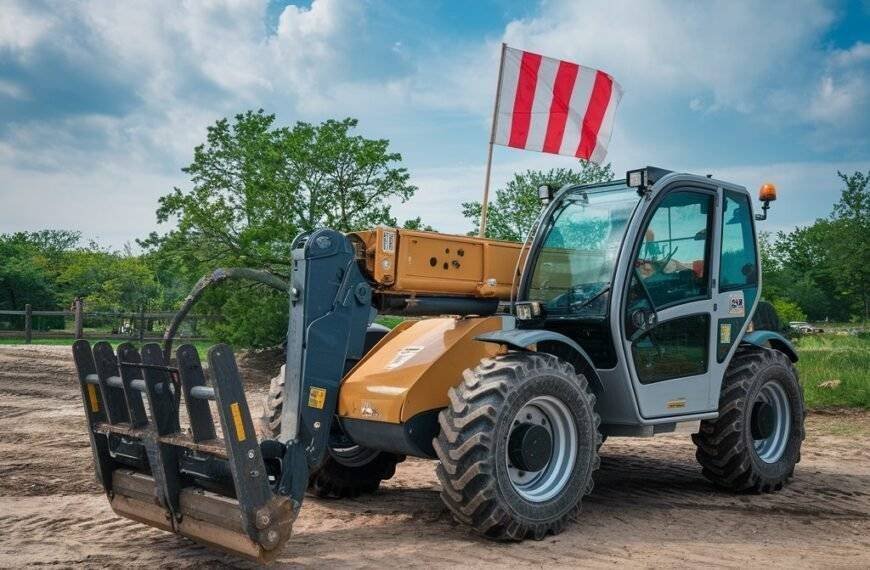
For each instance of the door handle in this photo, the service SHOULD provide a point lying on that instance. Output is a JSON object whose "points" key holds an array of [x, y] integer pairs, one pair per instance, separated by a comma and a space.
{"points": [[643, 320]]}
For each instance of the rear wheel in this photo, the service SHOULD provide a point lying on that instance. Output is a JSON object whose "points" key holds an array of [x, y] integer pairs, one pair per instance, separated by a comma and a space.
{"points": [[755, 442], [348, 470], [518, 446]]}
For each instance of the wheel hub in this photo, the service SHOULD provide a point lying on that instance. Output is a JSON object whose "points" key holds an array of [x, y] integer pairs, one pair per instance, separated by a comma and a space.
{"points": [[770, 422], [763, 420], [530, 447], [541, 449]]}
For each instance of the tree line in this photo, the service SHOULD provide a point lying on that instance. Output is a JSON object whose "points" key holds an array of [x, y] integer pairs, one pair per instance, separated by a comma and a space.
{"points": [[254, 185], [822, 271]]}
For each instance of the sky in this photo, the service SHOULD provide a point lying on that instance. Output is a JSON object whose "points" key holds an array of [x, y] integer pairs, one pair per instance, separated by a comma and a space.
{"points": [[102, 102]]}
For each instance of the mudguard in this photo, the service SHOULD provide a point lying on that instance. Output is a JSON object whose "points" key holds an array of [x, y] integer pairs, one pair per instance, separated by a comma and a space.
{"points": [[522, 339], [771, 339]]}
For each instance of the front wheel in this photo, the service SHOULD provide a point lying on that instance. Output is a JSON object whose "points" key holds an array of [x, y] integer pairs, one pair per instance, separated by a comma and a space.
{"points": [[755, 442], [518, 446]]}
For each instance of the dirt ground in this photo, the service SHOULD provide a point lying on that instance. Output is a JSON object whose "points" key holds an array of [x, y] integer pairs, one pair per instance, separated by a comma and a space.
{"points": [[650, 506]]}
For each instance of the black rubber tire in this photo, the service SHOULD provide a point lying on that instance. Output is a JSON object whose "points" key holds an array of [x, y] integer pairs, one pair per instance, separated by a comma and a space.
{"points": [[724, 446], [336, 478], [471, 446], [274, 404]]}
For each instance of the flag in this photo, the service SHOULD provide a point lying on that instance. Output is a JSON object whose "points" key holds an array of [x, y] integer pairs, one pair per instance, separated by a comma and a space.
{"points": [[554, 106]]}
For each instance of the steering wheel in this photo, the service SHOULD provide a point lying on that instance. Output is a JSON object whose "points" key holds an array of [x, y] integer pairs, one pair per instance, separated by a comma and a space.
{"points": [[645, 320], [664, 263]]}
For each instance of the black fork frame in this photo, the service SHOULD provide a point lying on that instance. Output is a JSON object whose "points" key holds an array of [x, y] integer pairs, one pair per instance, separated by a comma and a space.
{"points": [[131, 403]]}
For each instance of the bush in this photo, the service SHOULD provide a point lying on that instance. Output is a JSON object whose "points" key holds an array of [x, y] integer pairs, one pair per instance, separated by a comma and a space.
{"points": [[788, 311]]}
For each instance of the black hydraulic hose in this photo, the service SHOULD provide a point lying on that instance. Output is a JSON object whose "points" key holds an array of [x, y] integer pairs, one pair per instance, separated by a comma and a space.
{"points": [[213, 278]]}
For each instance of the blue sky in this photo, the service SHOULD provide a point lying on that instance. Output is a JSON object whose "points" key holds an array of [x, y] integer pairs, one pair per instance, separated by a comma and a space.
{"points": [[101, 103]]}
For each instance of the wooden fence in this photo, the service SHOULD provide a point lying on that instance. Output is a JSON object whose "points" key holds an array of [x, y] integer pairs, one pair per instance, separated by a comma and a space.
{"points": [[143, 319]]}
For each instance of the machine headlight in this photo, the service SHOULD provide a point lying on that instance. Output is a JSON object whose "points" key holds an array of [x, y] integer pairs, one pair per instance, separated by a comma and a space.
{"points": [[528, 310]]}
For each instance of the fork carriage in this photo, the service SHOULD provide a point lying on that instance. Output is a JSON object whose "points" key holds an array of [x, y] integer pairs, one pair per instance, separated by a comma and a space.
{"points": [[220, 491]]}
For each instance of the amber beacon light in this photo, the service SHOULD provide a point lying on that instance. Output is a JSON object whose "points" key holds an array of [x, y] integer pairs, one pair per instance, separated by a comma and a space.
{"points": [[767, 194]]}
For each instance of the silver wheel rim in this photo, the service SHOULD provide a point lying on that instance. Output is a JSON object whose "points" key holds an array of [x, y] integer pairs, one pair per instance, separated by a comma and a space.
{"points": [[543, 485], [353, 456], [771, 448]]}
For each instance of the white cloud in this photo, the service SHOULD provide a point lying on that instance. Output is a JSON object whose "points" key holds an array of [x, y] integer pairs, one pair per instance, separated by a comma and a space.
{"points": [[21, 28], [805, 190], [726, 51], [110, 203], [857, 54], [843, 92], [185, 64]]}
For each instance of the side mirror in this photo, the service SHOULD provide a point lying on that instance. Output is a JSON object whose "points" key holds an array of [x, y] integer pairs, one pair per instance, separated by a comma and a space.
{"points": [[767, 194]]}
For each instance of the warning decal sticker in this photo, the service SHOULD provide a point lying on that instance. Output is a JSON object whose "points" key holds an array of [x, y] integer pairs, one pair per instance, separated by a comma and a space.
{"points": [[736, 304], [316, 397], [403, 356], [388, 242], [725, 333]]}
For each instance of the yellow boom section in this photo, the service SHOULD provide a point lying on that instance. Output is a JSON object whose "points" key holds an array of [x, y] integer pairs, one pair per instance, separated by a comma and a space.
{"points": [[427, 263]]}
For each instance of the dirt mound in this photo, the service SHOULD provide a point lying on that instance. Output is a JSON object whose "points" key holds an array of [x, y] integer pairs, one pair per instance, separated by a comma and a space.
{"points": [[650, 508]]}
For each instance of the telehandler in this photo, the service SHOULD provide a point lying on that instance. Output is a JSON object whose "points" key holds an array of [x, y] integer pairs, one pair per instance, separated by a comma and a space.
{"points": [[628, 311]]}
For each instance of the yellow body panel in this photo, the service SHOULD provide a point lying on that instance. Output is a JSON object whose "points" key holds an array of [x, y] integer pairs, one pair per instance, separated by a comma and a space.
{"points": [[410, 370], [429, 263]]}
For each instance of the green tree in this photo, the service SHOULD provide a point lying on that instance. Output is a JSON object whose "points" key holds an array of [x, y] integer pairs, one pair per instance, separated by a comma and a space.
{"points": [[255, 185], [849, 242], [824, 268], [108, 281], [788, 311], [513, 211], [24, 279], [417, 224], [48, 269]]}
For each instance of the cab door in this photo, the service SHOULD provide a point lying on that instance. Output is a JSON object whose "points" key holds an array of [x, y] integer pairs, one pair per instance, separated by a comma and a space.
{"points": [[670, 307], [738, 279]]}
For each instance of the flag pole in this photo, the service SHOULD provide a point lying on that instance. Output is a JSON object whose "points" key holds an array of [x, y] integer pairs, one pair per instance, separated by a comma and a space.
{"points": [[485, 204]]}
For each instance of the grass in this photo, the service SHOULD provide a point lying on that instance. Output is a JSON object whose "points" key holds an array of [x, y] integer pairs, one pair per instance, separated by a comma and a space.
{"points": [[389, 321], [835, 370]]}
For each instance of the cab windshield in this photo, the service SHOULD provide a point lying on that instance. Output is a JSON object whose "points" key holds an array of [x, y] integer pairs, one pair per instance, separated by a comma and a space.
{"points": [[574, 269]]}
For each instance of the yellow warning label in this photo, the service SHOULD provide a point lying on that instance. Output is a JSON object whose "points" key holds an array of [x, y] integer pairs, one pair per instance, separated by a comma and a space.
{"points": [[92, 396], [237, 421], [676, 404], [316, 398], [725, 333]]}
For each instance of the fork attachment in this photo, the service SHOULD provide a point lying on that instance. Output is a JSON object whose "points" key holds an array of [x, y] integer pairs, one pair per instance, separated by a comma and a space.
{"points": [[213, 490]]}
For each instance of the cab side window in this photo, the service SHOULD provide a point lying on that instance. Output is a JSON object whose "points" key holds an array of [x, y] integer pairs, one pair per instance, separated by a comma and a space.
{"points": [[673, 258], [738, 267]]}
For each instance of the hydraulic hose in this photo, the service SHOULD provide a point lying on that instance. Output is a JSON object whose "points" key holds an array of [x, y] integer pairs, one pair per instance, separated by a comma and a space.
{"points": [[213, 278]]}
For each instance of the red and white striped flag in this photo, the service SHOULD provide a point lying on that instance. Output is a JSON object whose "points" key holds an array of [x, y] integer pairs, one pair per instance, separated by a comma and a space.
{"points": [[554, 106]]}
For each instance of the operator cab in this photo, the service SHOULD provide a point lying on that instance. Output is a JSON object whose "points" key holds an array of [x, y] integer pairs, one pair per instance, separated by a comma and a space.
{"points": [[571, 273], [653, 276]]}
